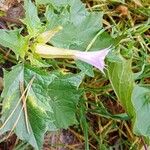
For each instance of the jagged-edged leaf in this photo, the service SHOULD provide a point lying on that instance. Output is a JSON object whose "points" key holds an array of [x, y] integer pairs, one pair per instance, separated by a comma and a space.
{"points": [[64, 99], [74, 79], [134, 98], [122, 80], [141, 103], [65, 11], [79, 27], [15, 41], [37, 117], [51, 103], [75, 36], [86, 68], [38, 62], [31, 19], [61, 93]]}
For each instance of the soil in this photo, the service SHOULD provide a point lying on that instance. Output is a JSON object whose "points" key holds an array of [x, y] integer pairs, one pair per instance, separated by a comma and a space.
{"points": [[9, 143]]}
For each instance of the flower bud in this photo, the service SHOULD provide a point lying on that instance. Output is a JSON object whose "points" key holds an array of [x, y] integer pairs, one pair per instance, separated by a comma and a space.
{"points": [[46, 36]]}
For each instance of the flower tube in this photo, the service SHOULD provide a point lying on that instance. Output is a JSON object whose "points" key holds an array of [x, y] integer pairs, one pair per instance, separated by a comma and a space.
{"points": [[95, 58]]}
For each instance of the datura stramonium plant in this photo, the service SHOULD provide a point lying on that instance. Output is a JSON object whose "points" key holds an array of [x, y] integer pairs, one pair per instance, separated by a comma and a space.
{"points": [[95, 58]]}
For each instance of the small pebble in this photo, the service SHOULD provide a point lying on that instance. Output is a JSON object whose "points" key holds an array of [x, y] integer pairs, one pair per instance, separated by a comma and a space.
{"points": [[123, 10]]}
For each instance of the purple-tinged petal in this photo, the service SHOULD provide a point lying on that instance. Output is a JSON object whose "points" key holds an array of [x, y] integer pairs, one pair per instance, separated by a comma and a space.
{"points": [[95, 58]]}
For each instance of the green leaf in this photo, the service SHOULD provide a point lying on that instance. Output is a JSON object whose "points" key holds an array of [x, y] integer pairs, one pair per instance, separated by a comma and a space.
{"points": [[15, 41], [59, 94], [38, 62], [141, 103], [79, 27], [65, 10], [37, 118], [86, 68], [104, 40], [137, 74], [31, 19], [135, 99], [64, 101], [76, 36], [51, 102], [122, 80], [74, 79], [42, 1], [83, 123], [102, 111]]}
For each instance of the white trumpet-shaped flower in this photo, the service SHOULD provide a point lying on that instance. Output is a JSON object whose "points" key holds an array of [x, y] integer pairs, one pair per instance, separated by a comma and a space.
{"points": [[95, 58]]}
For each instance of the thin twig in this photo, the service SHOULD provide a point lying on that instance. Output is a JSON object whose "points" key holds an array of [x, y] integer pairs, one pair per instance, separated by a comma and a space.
{"points": [[10, 58], [30, 83], [13, 110], [144, 145], [25, 106], [16, 105]]}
